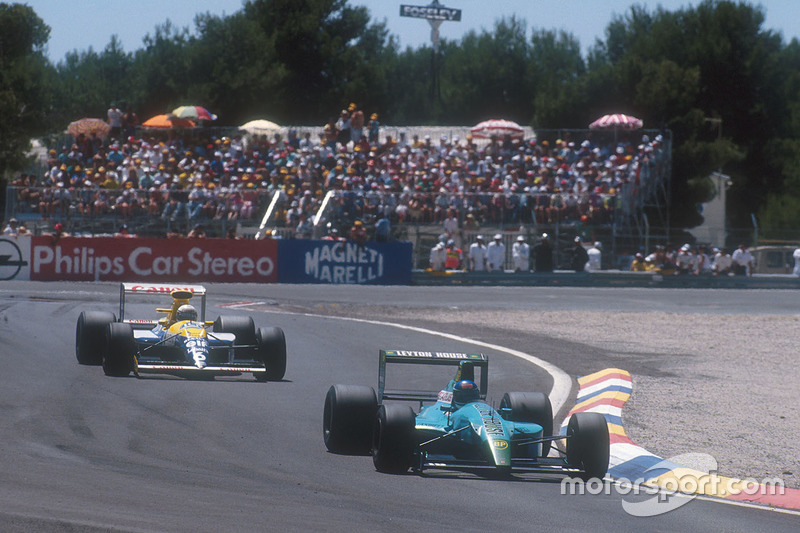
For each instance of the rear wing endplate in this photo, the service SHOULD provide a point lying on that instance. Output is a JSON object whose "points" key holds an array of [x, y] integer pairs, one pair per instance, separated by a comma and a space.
{"points": [[160, 288], [476, 360]]}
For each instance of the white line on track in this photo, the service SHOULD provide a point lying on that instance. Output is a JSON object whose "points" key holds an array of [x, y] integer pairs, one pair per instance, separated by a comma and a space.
{"points": [[562, 383]]}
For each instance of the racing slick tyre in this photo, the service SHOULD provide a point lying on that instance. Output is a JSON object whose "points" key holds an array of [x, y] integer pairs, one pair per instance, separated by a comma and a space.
{"points": [[588, 445], [531, 407], [245, 330], [271, 344], [348, 417], [90, 336], [120, 350], [393, 439]]}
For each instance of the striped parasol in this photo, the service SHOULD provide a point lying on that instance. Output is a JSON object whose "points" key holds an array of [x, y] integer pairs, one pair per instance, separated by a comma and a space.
{"points": [[617, 121], [498, 127], [193, 112]]}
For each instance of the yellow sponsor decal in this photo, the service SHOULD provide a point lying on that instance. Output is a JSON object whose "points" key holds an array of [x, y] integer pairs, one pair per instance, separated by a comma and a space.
{"points": [[500, 444]]}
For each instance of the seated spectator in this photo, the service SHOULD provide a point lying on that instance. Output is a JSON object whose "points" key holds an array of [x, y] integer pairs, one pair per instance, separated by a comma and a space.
{"points": [[12, 229], [305, 229], [684, 263], [57, 233], [638, 264], [124, 232], [382, 229], [438, 257], [743, 262], [595, 253], [723, 263], [358, 233], [197, 232]]}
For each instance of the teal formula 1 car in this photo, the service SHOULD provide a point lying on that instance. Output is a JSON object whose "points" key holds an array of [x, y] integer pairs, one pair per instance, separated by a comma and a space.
{"points": [[455, 428]]}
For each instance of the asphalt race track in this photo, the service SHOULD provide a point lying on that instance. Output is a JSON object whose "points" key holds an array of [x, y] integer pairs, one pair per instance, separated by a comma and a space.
{"points": [[85, 452]]}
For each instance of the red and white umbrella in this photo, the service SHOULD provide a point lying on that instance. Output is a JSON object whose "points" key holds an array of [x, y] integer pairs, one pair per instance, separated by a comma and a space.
{"points": [[193, 112], [616, 121], [498, 127]]}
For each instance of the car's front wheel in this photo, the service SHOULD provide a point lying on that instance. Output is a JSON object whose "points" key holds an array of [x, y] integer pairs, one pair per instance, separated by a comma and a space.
{"points": [[588, 446], [120, 350], [393, 439], [271, 344], [90, 336]]}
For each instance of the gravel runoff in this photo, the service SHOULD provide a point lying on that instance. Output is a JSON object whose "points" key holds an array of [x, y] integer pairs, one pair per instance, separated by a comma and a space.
{"points": [[717, 384]]}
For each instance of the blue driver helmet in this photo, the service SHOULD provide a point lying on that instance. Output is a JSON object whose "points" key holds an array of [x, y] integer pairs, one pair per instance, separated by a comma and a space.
{"points": [[186, 312], [465, 391]]}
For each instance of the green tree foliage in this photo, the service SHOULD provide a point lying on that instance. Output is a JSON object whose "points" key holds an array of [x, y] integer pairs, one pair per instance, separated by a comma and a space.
{"points": [[726, 87], [484, 75], [235, 70], [24, 84], [90, 81], [327, 51], [161, 69], [556, 77]]}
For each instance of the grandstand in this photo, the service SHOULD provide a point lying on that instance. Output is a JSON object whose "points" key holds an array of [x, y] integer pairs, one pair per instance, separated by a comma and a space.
{"points": [[563, 182]]}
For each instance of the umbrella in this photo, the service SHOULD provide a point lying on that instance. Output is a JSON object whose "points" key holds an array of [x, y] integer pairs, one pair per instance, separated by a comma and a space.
{"points": [[87, 126], [193, 112], [498, 127], [166, 122], [260, 127], [616, 122]]}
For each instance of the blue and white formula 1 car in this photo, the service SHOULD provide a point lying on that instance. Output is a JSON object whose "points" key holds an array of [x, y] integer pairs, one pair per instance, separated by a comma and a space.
{"points": [[180, 343], [457, 429]]}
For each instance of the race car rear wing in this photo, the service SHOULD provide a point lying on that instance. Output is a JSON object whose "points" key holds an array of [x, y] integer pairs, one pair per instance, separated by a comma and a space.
{"points": [[161, 288], [467, 371]]}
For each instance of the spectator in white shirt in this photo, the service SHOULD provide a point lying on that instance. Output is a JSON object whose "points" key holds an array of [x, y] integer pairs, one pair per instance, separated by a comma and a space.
{"points": [[477, 255], [743, 262], [521, 254], [496, 254]]}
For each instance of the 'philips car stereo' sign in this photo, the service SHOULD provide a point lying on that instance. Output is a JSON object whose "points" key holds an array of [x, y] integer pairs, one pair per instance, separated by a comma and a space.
{"points": [[432, 12], [182, 260], [344, 262]]}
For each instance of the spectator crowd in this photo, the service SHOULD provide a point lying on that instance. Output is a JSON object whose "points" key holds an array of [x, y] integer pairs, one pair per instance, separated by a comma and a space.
{"points": [[198, 177], [696, 260]]}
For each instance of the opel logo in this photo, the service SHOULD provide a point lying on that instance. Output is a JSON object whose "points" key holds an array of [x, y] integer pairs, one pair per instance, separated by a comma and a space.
{"points": [[11, 261]]}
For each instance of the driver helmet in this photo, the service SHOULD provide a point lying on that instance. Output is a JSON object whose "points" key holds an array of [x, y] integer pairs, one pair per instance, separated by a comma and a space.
{"points": [[186, 312], [465, 391]]}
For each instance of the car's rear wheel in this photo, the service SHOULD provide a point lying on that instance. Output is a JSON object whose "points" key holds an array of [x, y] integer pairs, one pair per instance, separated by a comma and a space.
{"points": [[393, 439], [271, 344], [120, 350], [531, 407], [245, 330], [90, 336], [348, 417], [588, 445]]}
